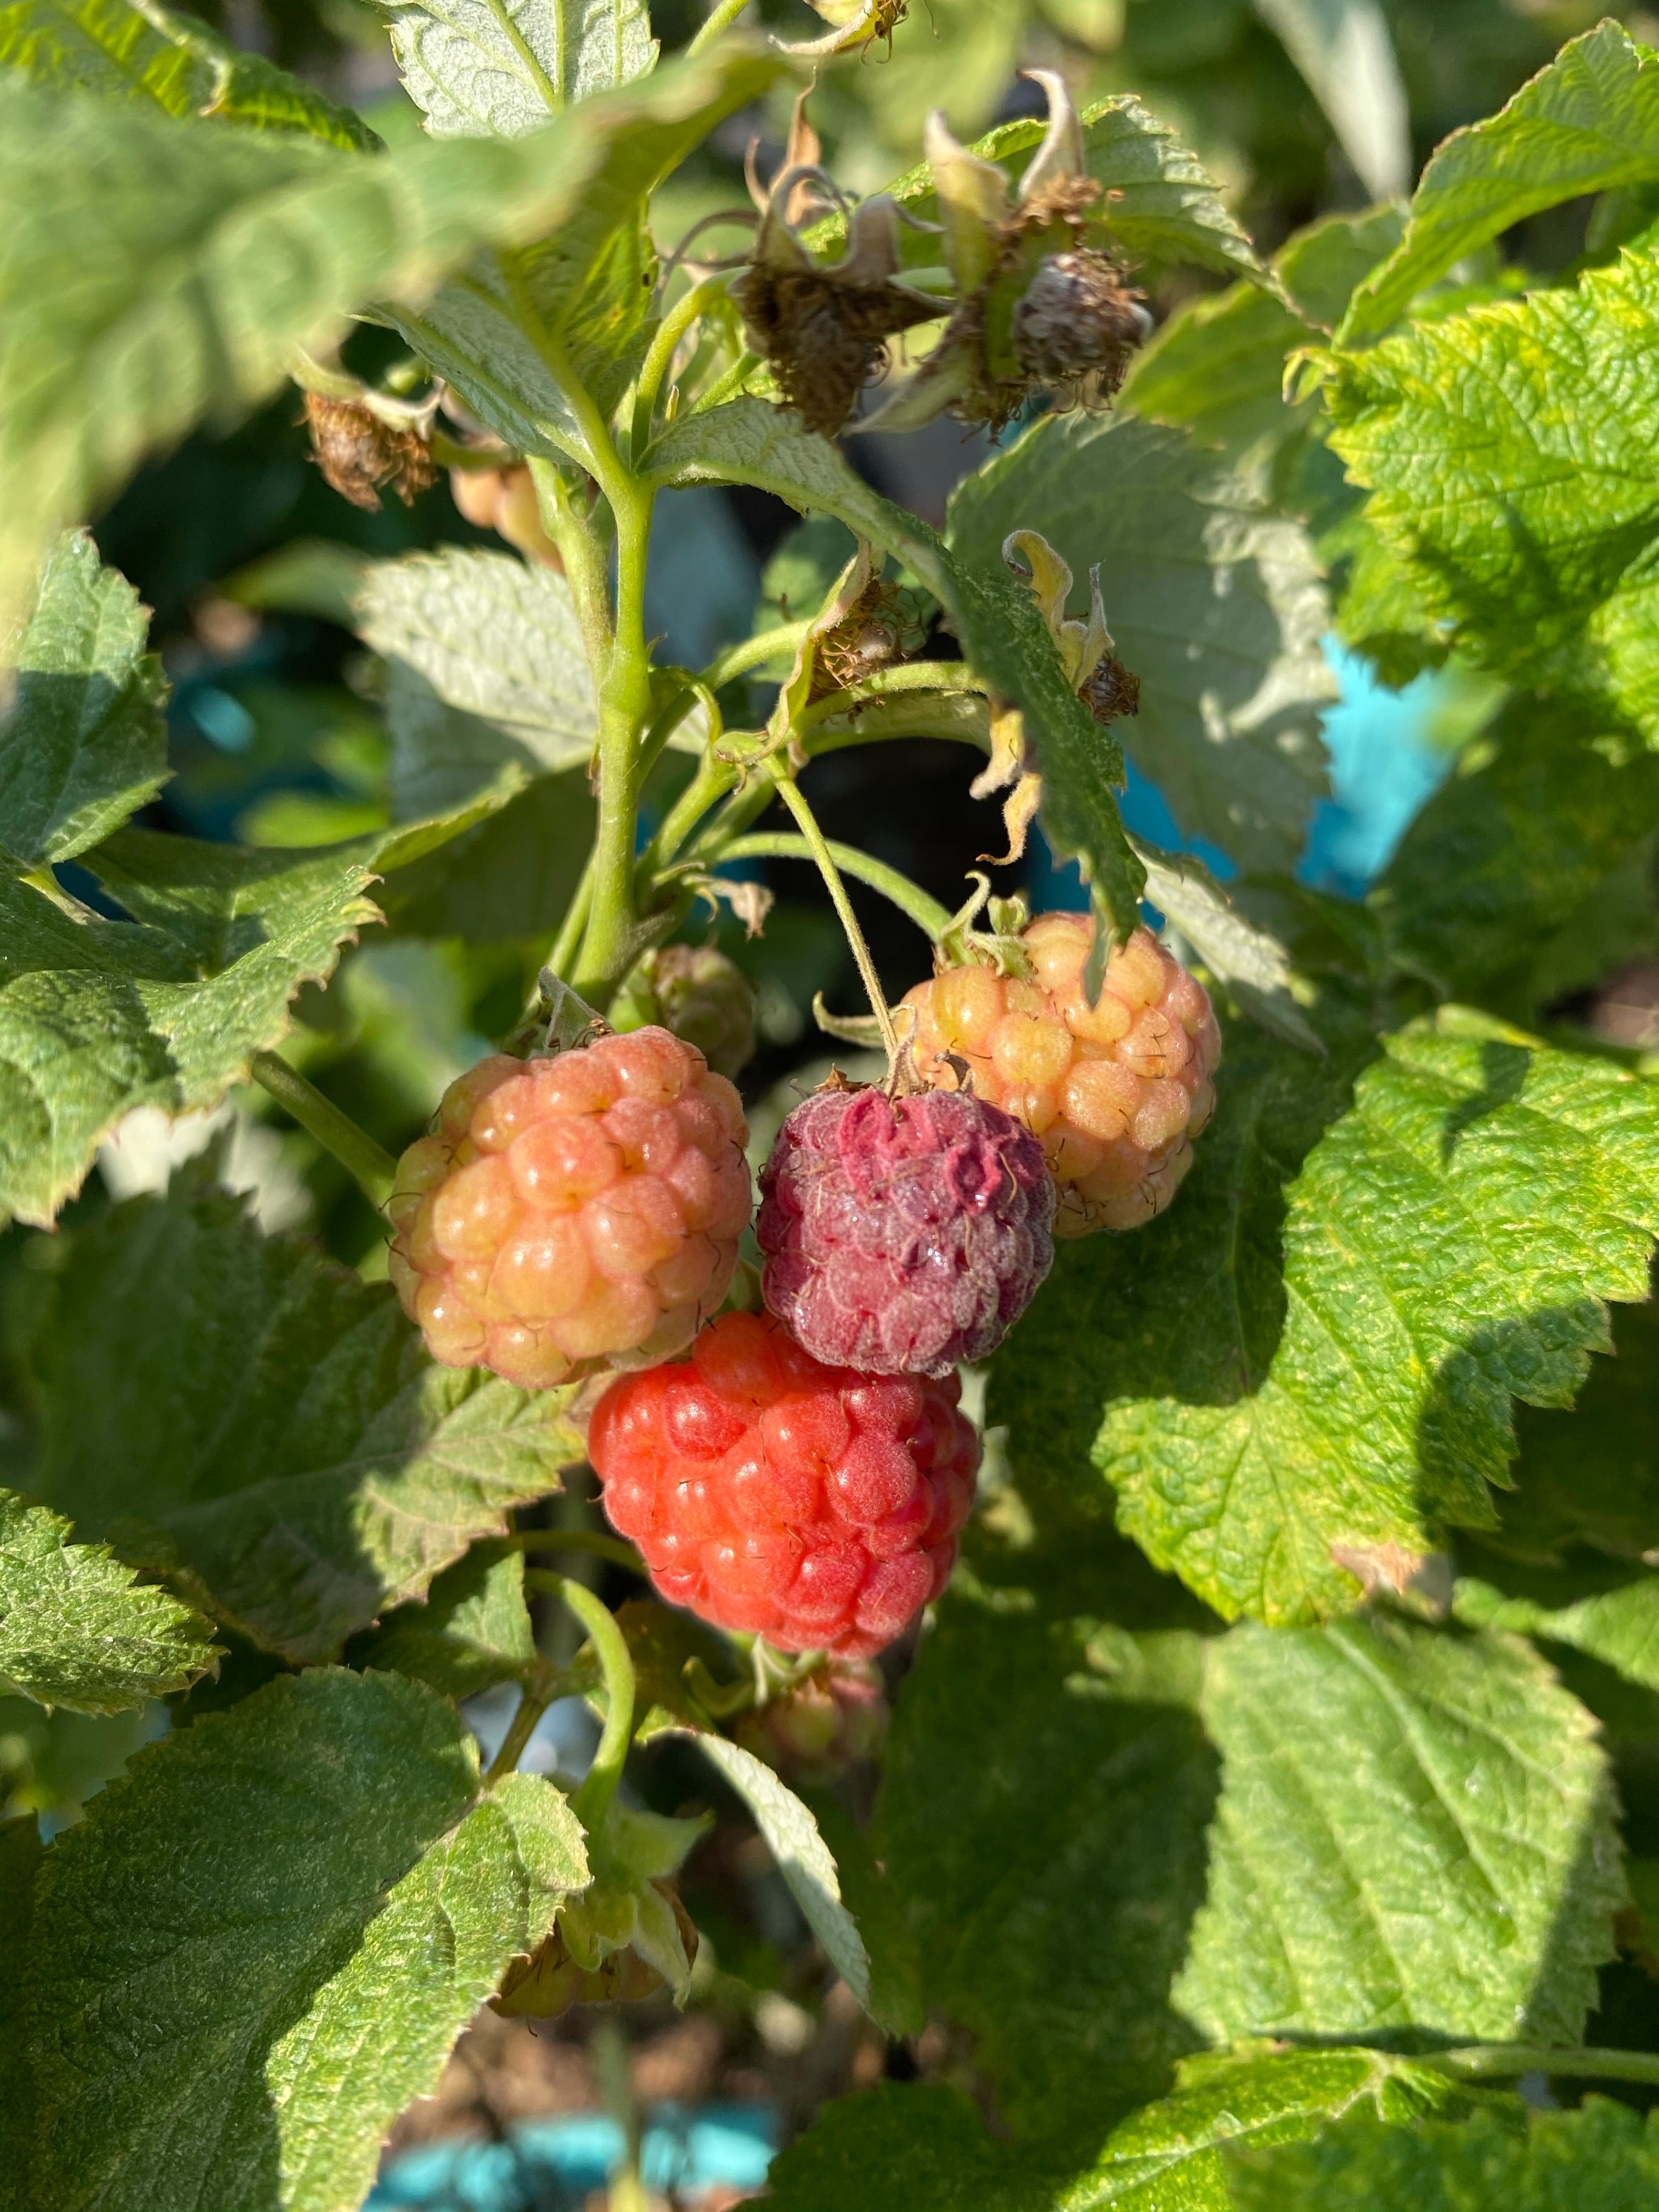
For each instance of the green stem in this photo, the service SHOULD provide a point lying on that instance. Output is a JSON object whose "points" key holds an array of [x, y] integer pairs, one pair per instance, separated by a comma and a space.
{"points": [[538, 1694], [1497, 2061], [720, 18], [574, 1540], [593, 1801], [373, 1170], [779, 644], [671, 329], [817, 844], [575, 921], [909, 898], [586, 566], [608, 944]]}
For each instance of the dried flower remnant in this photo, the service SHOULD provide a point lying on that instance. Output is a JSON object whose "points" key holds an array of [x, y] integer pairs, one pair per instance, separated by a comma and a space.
{"points": [[823, 327], [1041, 305], [361, 454]]}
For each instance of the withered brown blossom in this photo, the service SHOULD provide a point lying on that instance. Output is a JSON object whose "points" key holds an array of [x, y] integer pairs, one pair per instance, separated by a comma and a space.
{"points": [[359, 454]]}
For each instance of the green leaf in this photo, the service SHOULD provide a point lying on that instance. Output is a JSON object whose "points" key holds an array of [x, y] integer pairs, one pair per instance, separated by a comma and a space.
{"points": [[97, 1017], [259, 1946], [1601, 2158], [480, 68], [995, 620], [77, 1630], [152, 57], [1509, 455], [1215, 603], [1591, 1477], [1619, 1626], [1588, 123], [85, 743], [493, 639], [201, 258], [1248, 959], [927, 2150], [471, 1630], [1217, 366], [231, 1406], [1447, 1246], [1540, 809], [799, 1853], [1192, 1307], [1041, 1815], [510, 877], [1416, 1835]]}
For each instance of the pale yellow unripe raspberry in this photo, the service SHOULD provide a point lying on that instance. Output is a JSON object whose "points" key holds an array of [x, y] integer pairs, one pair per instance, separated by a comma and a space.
{"points": [[572, 1212], [1116, 1091]]}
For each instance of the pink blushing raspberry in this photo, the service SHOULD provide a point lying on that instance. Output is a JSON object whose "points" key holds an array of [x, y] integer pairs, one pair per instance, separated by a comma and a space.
{"points": [[1115, 1091], [903, 1236], [770, 1493], [572, 1212]]}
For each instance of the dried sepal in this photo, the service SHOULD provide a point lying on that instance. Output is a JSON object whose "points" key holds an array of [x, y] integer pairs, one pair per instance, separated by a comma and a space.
{"points": [[361, 454], [854, 25], [1105, 686]]}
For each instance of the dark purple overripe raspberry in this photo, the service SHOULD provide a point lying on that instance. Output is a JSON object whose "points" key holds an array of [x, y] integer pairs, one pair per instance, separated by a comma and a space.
{"points": [[903, 1235]]}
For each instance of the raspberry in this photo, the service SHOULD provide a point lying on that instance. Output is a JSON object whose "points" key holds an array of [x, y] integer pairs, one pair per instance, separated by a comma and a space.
{"points": [[814, 1506], [826, 1724], [1115, 1092], [699, 995], [902, 1236], [569, 1211]]}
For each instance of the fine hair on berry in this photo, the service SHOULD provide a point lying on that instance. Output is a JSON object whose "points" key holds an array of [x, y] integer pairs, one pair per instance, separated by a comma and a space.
{"points": [[903, 1236], [770, 1493], [573, 1210]]}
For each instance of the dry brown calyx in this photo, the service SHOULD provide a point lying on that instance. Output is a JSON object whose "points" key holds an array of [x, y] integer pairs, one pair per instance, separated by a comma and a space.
{"points": [[361, 454], [823, 327]]}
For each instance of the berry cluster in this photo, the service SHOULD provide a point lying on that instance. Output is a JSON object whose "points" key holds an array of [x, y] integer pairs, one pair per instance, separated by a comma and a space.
{"points": [[574, 1210], [903, 1236], [798, 1477], [1113, 1090], [813, 1505]]}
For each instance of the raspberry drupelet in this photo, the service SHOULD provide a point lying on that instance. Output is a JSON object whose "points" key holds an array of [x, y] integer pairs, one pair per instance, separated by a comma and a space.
{"points": [[814, 1506], [573, 1210], [902, 1235], [1115, 1092]]}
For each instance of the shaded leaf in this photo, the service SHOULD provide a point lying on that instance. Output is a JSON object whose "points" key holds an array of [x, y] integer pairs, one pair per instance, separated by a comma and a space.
{"points": [[1041, 1815], [799, 1853], [1416, 1833], [1346, 58], [495, 639], [511, 876], [77, 1630], [471, 1631], [1214, 602], [1588, 123], [1619, 1626], [1510, 453], [84, 744], [1239, 953], [233, 1408], [20, 1863], [480, 68], [259, 1946], [1539, 811], [1447, 1247]]}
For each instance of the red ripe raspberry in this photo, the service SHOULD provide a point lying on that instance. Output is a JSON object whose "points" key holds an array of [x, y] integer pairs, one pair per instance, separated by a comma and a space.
{"points": [[904, 1234], [569, 1210], [1115, 1091], [809, 1504]]}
